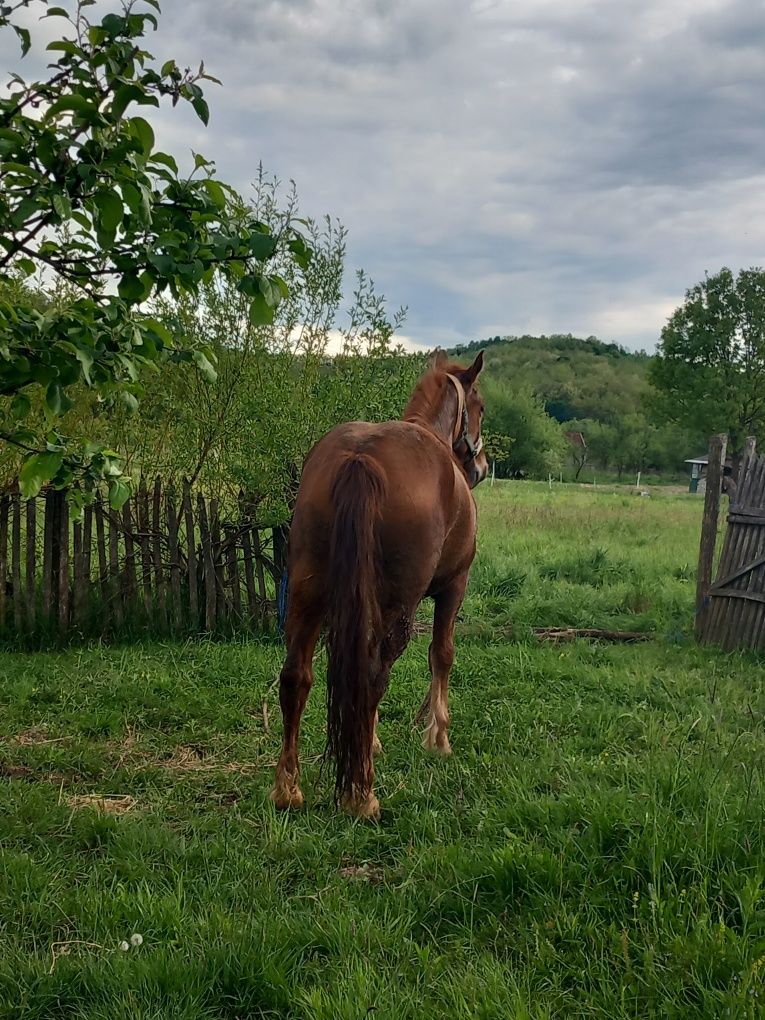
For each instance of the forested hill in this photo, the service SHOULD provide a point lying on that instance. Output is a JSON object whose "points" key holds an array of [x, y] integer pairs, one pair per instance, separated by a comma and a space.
{"points": [[539, 388], [574, 378]]}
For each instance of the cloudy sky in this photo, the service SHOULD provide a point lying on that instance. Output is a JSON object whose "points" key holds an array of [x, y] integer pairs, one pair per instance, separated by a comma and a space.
{"points": [[503, 166]]}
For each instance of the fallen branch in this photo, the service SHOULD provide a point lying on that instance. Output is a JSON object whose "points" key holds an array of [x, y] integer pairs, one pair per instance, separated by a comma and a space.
{"points": [[571, 633]]}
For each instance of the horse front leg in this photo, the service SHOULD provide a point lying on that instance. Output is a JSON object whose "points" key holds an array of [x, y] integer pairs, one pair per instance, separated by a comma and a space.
{"points": [[441, 658]]}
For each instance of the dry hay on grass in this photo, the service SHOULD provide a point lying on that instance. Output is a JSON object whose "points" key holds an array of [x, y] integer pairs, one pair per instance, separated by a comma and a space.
{"points": [[106, 803]]}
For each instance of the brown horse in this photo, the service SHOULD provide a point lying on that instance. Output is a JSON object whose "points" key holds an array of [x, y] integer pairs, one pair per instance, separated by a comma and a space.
{"points": [[384, 517]]}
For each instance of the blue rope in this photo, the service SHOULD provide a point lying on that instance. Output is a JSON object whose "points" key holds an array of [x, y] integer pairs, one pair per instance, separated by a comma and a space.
{"points": [[281, 602]]}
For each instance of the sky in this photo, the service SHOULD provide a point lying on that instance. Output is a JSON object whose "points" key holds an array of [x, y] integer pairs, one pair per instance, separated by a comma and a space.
{"points": [[502, 166]]}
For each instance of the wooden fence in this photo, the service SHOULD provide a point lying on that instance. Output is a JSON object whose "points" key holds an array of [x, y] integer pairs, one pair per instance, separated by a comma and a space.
{"points": [[731, 610], [168, 563]]}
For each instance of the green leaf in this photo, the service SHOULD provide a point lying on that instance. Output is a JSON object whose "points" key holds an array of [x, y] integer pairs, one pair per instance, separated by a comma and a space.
{"points": [[133, 288], [55, 398], [62, 45], [215, 191], [141, 129], [86, 359], [62, 205], [124, 96], [27, 266], [75, 103], [270, 291], [129, 401], [37, 470], [205, 366], [301, 251], [261, 313], [261, 245], [56, 12], [201, 109], [21, 405], [160, 331], [23, 34], [110, 210], [119, 493], [165, 160]]}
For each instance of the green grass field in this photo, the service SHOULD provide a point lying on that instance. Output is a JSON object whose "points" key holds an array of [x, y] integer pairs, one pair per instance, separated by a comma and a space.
{"points": [[594, 848]]}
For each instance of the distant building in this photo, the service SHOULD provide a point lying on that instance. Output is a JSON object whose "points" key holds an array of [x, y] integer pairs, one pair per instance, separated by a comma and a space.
{"points": [[698, 480]]}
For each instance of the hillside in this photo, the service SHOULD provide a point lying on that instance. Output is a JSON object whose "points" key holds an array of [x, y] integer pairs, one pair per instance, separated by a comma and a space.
{"points": [[538, 388], [574, 378]]}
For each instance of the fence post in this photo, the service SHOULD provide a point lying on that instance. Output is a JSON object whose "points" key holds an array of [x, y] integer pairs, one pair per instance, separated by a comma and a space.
{"points": [[715, 467]]}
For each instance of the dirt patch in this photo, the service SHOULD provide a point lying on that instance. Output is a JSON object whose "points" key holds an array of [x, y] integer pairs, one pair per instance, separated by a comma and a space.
{"points": [[362, 873], [192, 759], [37, 736], [24, 772]]}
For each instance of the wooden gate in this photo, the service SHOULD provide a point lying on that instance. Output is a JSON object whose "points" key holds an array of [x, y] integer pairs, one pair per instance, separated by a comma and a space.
{"points": [[732, 610]]}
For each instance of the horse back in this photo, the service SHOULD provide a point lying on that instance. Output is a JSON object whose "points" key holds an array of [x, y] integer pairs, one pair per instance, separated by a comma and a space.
{"points": [[427, 521]]}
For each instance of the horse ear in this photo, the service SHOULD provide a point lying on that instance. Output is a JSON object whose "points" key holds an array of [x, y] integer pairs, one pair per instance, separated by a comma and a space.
{"points": [[471, 374], [438, 358]]}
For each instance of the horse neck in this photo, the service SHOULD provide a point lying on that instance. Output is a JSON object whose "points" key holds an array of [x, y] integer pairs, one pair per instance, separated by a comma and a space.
{"points": [[434, 406]]}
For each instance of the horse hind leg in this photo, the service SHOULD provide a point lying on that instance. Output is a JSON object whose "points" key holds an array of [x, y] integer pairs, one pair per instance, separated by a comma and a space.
{"points": [[366, 804], [377, 747], [441, 659], [295, 683]]}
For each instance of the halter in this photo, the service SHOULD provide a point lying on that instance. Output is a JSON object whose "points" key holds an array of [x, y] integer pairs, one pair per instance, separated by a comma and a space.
{"points": [[461, 434]]}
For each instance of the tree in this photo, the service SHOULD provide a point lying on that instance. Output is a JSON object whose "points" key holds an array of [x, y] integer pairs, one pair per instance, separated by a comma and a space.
{"points": [[278, 388], [85, 196], [709, 371], [536, 443]]}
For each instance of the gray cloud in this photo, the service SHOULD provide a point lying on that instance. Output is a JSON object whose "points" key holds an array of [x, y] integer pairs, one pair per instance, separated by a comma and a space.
{"points": [[537, 165]]}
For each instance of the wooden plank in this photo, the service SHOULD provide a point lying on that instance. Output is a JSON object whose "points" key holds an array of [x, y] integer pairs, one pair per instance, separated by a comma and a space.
{"points": [[156, 550], [253, 606], [736, 622], [258, 552], [5, 503], [191, 555], [115, 588], [87, 551], [715, 464], [18, 606], [208, 565], [63, 563], [48, 550], [218, 561], [174, 554], [142, 514], [31, 575], [232, 562], [79, 588], [129, 573], [103, 570], [755, 517], [738, 593], [752, 609]]}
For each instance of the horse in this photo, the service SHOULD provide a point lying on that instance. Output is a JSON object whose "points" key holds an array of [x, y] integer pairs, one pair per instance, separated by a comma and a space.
{"points": [[384, 517]]}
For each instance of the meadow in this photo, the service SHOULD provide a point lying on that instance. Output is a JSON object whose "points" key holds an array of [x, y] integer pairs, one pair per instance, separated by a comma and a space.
{"points": [[595, 847]]}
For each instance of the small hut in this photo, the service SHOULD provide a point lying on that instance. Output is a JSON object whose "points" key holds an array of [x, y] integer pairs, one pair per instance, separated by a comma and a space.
{"points": [[698, 479]]}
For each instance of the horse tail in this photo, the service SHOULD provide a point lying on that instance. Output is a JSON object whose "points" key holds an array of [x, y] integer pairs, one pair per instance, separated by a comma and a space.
{"points": [[353, 621]]}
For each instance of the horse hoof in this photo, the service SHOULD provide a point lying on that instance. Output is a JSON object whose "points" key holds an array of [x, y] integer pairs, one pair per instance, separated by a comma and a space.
{"points": [[368, 808], [287, 799], [434, 745]]}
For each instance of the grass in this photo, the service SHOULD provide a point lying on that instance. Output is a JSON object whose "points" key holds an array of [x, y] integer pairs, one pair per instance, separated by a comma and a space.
{"points": [[594, 848]]}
